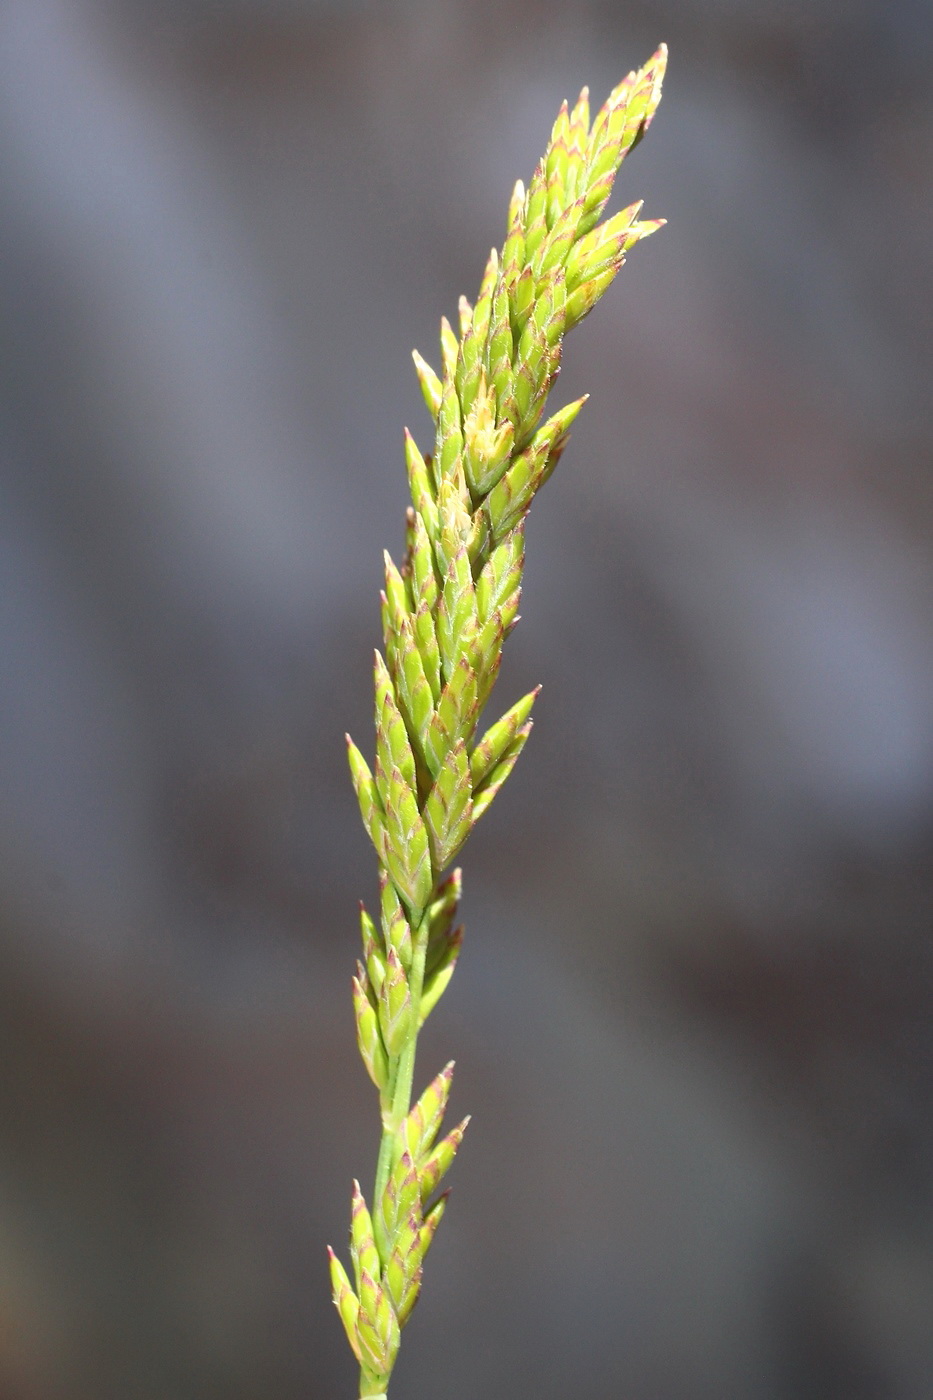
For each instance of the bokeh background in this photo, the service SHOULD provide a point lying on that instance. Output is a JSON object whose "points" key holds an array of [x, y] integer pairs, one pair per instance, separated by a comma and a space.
{"points": [[694, 1016]]}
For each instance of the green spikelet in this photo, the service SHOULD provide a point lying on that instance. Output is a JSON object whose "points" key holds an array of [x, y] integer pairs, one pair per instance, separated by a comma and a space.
{"points": [[430, 384], [395, 762], [438, 1163], [345, 1301], [498, 738], [396, 929], [366, 795], [432, 1219], [376, 1327], [445, 616], [406, 852], [362, 1240], [448, 810], [400, 1196], [421, 1126], [577, 134], [403, 1267], [395, 1008], [439, 972], [511, 498], [369, 1037], [501, 576], [487, 444], [486, 791], [420, 485], [513, 251], [374, 959]]}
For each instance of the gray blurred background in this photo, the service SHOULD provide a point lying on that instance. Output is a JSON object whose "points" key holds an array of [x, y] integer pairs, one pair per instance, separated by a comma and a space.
{"points": [[693, 1016]]}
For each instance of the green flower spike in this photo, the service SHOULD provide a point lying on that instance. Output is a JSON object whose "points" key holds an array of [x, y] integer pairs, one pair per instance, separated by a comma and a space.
{"points": [[445, 616]]}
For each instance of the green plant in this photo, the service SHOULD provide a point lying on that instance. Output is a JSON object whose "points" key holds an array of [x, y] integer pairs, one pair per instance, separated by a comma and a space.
{"points": [[445, 616]]}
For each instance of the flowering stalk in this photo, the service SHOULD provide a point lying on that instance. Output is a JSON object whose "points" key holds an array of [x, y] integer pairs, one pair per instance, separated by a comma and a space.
{"points": [[445, 616]]}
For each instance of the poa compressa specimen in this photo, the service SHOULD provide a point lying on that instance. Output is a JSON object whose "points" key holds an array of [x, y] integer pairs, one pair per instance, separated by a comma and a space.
{"points": [[446, 613]]}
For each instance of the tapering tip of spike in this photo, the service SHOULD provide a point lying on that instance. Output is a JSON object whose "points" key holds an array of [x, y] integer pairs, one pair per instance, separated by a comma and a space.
{"points": [[658, 62]]}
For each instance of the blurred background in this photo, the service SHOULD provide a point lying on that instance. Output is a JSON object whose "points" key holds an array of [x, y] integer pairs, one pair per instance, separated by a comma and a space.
{"points": [[694, 1015]]}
